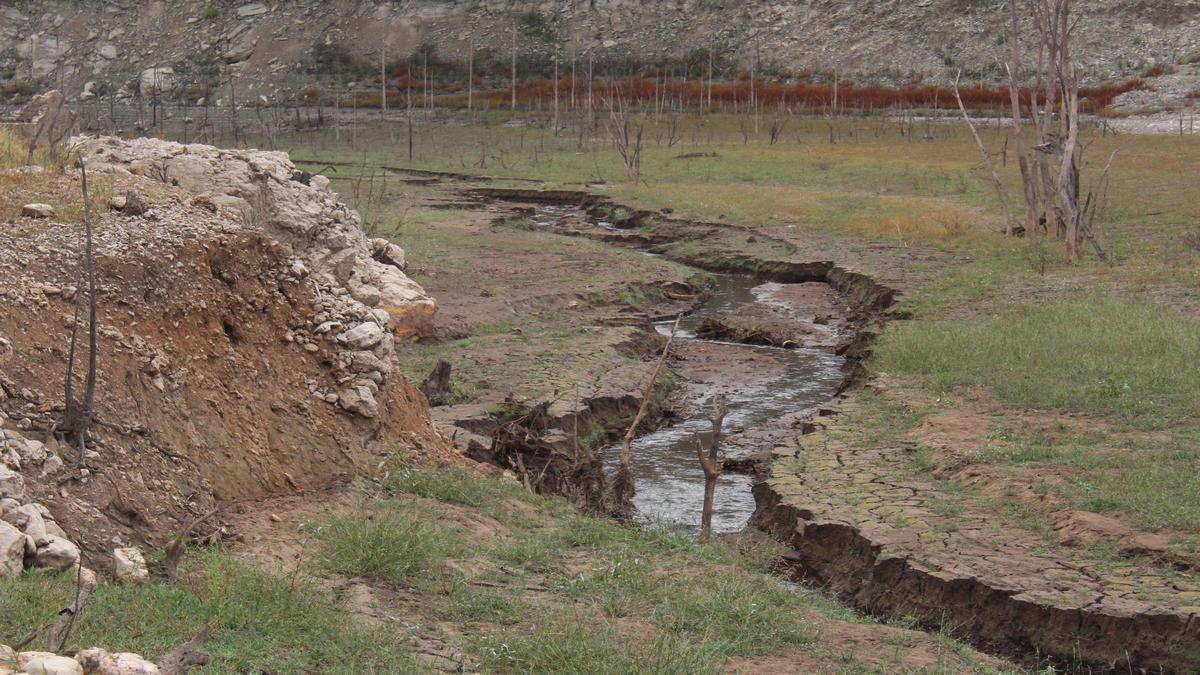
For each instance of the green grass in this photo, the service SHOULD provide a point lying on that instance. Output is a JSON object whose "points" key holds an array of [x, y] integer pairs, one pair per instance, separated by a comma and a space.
{"points": [[1133, 359], [259, 621], [396, 544], [572, 646]]}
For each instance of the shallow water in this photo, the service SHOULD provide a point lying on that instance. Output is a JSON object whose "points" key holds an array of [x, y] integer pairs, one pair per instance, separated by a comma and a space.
{"points": [[668, 478], [670, 483]]}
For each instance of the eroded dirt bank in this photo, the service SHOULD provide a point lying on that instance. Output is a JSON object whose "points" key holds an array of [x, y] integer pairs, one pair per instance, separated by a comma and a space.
{"points": [[234, 361]]}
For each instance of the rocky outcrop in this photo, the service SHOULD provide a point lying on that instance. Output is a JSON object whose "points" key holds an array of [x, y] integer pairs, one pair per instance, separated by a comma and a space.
{"points": [[269, 43], [264, 190]]}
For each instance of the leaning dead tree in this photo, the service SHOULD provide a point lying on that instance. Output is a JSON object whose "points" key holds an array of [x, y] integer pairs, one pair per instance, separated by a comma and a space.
{"points": [[623, 488], [77, 417], [711, 466]]}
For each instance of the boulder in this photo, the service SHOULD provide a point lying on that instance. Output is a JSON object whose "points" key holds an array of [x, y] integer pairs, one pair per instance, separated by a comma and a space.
{"points": [[363, 336], [12, 484], [45, 663], [96, 661], [12, 551], [158, 78], [56, 553], [251, 9], [37, 210], [359, 399], [28, 520], [130, 566]]}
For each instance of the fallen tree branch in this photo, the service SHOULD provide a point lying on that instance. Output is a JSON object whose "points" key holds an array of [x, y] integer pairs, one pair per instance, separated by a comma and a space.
{"points": [[66, 618], [623, 488], [178, 546], [185, 656]]}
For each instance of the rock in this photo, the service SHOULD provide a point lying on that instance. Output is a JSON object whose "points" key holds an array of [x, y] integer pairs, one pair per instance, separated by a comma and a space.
{"points": [[242, 48], [57, 554], [12, 551], [28, 520], [8, 660], [96, 661], [116, 203], [251, 9], [160, 78], [388, 253], [89, 90], [37, 210], [363, 336], [129, 565], [108, 51], [45, 663], [134, 205], [12, 484], [359, 399]]}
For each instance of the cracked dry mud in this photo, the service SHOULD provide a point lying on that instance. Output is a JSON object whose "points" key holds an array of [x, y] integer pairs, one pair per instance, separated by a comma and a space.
{"points": [[878, 535]]}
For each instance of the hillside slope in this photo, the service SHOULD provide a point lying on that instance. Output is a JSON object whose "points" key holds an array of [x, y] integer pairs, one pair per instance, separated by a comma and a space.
{"points": [[288, 45]]}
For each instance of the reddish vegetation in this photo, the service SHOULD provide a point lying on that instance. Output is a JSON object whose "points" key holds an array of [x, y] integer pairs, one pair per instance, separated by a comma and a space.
{"points": [[726, 96]]}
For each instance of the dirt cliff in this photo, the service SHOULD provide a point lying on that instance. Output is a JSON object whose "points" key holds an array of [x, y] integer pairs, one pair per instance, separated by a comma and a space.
{"points": [[234, 362]]}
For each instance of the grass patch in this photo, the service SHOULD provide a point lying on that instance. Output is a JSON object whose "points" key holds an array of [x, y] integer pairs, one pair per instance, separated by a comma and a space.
{"points": [[573, 646], [261, 622], [1124, 357], [396, 545]]}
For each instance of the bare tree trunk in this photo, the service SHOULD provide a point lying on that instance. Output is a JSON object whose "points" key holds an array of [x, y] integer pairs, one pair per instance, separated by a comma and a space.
{"points": [[1028, 180], [556, 93], [514, 66], [711, 467], [470, 74], [1001, 193]]}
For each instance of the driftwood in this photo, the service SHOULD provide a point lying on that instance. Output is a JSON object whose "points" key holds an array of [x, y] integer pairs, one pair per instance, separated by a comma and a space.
{"points": [[66, 618], [178, 546], [710, 466], [185, 656], [623, 488]]}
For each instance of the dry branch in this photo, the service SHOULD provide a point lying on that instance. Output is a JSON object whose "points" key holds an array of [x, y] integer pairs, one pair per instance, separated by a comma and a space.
{"points": [[623, 488], [710, 466]]}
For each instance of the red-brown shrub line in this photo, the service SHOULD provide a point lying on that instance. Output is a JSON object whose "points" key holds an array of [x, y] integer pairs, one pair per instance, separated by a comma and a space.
{"points": [[643, 92]]}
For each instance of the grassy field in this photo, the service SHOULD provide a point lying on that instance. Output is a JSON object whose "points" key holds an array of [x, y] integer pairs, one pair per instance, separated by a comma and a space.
{"points": [[545, 590]]}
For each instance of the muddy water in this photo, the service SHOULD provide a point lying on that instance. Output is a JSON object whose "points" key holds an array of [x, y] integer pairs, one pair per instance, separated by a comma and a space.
{"points": [[767, 389]]}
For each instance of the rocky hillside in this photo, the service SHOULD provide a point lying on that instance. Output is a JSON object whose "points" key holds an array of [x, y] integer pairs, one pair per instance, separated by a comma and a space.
{"points": [[246, 340], [268, 47]]}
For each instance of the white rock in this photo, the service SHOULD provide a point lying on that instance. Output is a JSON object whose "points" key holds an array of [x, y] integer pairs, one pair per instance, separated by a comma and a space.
{"points": [[57, 554], [12, 484], [96, 661], [45, 663], [251, 9], [12, 551], [37, 210], [108, 51], [129, 565], [363, 336], [28, 520]]}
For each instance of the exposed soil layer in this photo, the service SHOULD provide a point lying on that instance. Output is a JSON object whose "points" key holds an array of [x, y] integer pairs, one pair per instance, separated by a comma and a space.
{"points": [[201, 399]]}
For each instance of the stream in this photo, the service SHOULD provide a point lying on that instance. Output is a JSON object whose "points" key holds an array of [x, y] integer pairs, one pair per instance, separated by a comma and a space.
{"points": [[767, 391], [670, 483]]}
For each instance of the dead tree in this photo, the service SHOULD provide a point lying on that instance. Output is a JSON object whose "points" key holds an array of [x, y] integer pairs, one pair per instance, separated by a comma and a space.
{"points": [[710, 466], [77, 416], [623, 487], [1001, 193], [627, 135], [1013, 67]]}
